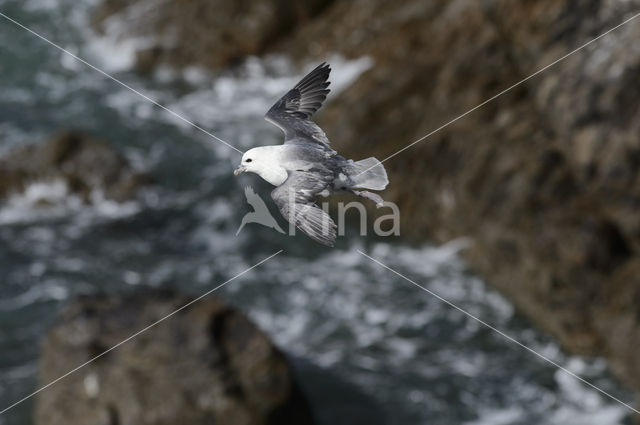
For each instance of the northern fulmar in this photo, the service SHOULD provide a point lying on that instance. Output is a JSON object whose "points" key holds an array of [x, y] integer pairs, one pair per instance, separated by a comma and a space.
{"points": [[306, 166]]}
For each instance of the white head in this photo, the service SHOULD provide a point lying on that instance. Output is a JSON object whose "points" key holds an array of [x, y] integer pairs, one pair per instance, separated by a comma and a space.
{"points": [[265, 162]]}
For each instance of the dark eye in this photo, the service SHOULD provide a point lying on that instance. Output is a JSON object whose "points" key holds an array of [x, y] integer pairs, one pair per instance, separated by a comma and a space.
{"points": [[249, 160]]}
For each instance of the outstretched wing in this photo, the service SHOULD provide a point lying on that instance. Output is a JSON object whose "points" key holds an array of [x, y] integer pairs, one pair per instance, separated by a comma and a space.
{"points": [[293, 111], [295, 197]]}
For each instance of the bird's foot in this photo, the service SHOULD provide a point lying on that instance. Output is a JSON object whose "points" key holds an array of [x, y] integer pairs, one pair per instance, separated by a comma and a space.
{"points": [[371, 196]]}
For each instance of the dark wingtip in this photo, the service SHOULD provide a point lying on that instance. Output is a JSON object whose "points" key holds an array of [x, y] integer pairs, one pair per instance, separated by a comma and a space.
{"points": [[324, 69], [326, 66], [304, 98]]}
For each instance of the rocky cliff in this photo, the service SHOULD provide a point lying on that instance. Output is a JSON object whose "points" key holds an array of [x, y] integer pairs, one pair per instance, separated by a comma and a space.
{"points": [[170, 32], [81, 163], [207, 364], [544, 179]]}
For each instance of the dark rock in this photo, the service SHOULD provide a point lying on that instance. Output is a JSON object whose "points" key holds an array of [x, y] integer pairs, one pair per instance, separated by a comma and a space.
{"points": [[209, 33], [618, 320], [81, 162], [206, 364]]}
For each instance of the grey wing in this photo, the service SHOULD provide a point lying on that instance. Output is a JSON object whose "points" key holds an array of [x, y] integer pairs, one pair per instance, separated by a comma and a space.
{"points": [[293, 111], [295, 200]]}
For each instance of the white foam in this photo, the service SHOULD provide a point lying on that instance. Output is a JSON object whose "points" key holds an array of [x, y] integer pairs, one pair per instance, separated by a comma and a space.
{"points": [[115, 49], [47, 291], [498, 417], [52, 199]]}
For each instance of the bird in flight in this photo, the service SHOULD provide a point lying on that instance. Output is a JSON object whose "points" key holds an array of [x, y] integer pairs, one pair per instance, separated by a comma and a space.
{"points": [[306, 166]]}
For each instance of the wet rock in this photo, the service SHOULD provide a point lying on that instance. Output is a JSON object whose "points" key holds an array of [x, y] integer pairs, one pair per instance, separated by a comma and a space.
{"points": [[82, 164], [206, 364]]}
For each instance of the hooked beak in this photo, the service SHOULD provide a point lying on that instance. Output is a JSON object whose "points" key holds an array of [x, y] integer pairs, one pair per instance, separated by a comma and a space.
{"points": [[240, 169]]}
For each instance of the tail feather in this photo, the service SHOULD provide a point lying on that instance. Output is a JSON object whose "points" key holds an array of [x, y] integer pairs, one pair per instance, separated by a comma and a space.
{"points": [[368, 174]]}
